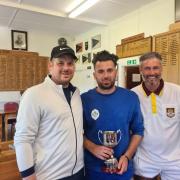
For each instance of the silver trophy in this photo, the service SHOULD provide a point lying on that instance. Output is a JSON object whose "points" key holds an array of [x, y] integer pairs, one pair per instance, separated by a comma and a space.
{"points": [[110, 139]]}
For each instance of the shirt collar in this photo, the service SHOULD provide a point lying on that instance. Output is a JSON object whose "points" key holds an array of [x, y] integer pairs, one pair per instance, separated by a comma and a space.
{"points": [[157, 91], [71, 88]]}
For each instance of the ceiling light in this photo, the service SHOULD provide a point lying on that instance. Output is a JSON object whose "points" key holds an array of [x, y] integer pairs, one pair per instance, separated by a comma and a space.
{"points": [[83, 7], [73, 5]]}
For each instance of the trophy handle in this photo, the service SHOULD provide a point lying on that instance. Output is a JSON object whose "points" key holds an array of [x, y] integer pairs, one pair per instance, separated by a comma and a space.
{"points": [[118, 132], [100, 132]]}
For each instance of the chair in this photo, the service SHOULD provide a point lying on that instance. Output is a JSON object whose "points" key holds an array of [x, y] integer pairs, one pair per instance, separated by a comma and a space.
{"points": [[10, 110]]}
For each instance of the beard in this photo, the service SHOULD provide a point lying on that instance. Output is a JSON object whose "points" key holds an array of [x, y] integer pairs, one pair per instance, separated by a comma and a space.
{"points": [[106, 87], [152, 81]]}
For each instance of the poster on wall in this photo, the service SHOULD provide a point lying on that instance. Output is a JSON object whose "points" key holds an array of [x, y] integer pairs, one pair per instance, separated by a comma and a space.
{"points": [[86, 45], [86, 58], [96, 41], [79, 47], [78, 59]]}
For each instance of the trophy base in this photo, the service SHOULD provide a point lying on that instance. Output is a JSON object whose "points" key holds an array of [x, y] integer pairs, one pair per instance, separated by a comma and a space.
{"points": [[110, 170], [111, 166]]}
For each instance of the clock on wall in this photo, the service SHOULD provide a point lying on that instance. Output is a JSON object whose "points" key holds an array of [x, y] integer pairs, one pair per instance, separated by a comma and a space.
{"points": [[62, 41]]}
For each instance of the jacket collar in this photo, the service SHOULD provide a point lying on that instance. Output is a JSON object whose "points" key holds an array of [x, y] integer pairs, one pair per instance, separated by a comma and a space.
{"points": [[52, 83]]}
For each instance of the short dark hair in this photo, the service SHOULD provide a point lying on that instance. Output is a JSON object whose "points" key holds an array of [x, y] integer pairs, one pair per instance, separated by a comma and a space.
{"points": [[150, 55], [104, 56]]}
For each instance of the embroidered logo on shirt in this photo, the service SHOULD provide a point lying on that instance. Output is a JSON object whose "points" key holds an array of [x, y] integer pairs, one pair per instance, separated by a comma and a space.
{"points": [[170, 112], [95, 114]]}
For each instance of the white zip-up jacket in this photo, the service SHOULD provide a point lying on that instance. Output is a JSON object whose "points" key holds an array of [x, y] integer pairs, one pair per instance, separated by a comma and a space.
{"points": [[49, 132]]}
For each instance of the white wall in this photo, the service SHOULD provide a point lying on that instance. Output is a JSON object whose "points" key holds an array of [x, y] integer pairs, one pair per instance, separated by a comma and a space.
{"points": [[5, 38], [38, 41], [151, 19], [86, 76], [44, 41]]}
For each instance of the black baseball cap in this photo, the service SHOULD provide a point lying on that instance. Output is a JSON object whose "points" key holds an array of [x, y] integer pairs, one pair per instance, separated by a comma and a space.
{"points": [[59, 51]]}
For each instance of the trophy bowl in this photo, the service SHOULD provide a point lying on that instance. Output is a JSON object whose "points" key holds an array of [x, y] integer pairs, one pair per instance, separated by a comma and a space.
{"points": [[110, 139]]}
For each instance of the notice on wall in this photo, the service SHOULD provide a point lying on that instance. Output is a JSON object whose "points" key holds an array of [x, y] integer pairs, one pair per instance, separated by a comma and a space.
{"points": [[136, 77]]}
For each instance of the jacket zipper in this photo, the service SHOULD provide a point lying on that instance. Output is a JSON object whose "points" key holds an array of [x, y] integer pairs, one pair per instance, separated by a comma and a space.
{"points": [[76, 139]]}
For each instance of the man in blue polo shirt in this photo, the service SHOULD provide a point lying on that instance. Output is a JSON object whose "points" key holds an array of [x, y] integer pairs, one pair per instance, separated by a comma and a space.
{"points": [[114, 112]]}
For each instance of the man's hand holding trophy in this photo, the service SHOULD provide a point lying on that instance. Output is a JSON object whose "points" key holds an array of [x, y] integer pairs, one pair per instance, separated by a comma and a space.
{"points": [[110, 139]]}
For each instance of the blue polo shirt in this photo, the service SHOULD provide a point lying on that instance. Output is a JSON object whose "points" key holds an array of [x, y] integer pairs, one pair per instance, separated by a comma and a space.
{"points": [[118, 111]]}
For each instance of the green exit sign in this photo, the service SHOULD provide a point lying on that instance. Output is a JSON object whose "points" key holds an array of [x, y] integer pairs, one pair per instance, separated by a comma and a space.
{"points": [[131, 62]]}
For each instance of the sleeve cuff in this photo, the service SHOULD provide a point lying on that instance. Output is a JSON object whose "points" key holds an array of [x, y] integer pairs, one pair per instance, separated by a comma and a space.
{"points": [[27, 172]]}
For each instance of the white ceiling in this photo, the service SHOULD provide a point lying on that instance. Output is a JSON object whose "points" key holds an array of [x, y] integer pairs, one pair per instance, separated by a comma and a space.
{"points": [[51, 14]]}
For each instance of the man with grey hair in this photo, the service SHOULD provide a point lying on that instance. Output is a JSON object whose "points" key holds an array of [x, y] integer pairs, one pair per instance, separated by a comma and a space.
{"points": [[159, 151]]}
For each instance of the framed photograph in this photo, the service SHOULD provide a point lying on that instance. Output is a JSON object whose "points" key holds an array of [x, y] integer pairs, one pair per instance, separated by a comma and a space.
{"points": [[96, 41], [86, 58], [78, 59], [79, 47], [19, 40]]}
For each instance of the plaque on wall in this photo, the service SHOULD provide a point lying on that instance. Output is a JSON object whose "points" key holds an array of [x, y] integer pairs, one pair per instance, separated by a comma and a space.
{"points": [[134, 48], [21, 69], [168, 45]]}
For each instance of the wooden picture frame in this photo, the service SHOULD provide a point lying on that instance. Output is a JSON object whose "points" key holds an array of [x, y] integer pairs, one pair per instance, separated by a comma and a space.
{"points": [[19, 40], [79, 47]]}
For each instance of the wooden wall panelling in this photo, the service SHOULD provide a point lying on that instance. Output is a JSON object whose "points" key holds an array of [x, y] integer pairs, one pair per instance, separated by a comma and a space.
{"points": [[3, 59], [119, 50], [29, 64], [11, 73], [168, 45], [161, 46], [21, 70], [134, 48], [36, 69], [6, 69], [42, 69], [132, 38], [174, 46], [25, 68]]}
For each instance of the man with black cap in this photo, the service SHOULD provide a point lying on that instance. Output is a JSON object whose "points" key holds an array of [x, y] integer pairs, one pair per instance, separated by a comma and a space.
{"points": [[49, 133]]}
